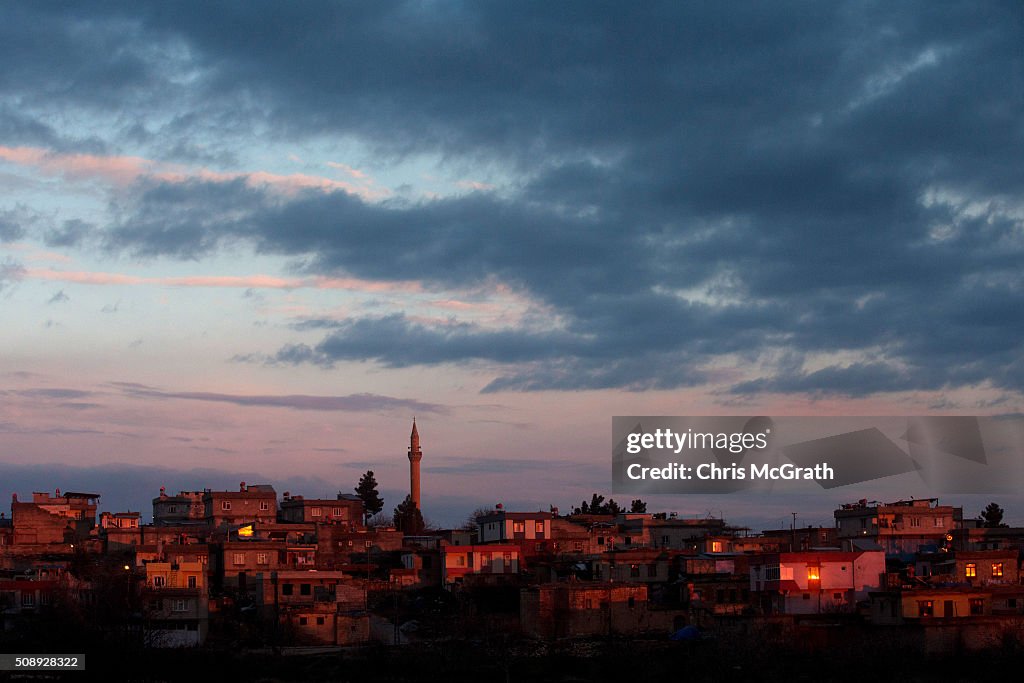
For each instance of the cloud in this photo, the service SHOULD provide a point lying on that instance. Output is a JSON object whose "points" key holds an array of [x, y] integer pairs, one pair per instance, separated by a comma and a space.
{"points": [[59, 298], [683, 186], [350, 403]]}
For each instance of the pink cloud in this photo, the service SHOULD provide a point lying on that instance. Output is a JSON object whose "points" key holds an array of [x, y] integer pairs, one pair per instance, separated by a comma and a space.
{"points": [[124, 170]]}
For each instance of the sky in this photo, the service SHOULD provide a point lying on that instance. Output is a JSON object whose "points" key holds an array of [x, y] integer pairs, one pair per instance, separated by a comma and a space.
{"points": [[252, 240]]}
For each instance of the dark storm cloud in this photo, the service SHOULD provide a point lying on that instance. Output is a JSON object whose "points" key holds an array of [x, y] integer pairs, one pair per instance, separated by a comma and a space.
{"points": [[688, 180]]}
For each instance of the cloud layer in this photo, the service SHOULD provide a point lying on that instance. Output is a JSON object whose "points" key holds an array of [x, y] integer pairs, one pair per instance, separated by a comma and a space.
{"points": [[822, 198]]}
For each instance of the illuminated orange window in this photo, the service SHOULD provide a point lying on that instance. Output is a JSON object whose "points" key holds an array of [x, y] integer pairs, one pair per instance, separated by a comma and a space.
{"points": [[813, 573], [997, 569], [971, 570], [716, 546]]}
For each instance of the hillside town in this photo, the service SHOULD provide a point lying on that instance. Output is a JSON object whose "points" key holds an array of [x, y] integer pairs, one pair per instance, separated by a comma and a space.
{"points": [[257, 568]]}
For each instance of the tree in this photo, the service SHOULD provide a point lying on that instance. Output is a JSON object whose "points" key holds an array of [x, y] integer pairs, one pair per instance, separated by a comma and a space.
{"points": [[597, 506], [408, 518], [367, 490], [992, 516], [470, 523], [638, 506]]}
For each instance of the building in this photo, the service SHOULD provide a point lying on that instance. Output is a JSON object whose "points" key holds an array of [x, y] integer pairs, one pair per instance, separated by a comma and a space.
{"points": [[175, 604], [61, 518], [815, 582], [120, 530], [558, 610], [458, 561], [183, 509], [904, 527], [346, 510], [256, 503], [415, 455]]}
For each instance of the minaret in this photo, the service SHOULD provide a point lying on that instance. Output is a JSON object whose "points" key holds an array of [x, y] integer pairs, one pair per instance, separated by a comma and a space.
{"points": [[415, 455]]}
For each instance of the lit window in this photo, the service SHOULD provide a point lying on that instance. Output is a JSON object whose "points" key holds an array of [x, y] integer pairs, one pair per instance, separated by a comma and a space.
{"points": [[225, 505], [977, 606], [971, 570], [814, 573], [925, 608], [997, 569], [716, 546], [539, 527]]}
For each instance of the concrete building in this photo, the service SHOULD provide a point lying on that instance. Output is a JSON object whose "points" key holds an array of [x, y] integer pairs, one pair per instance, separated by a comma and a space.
{"points": [[558, 610], [346, 510], [120, 530], [256, 503], [903, 527], [415, 455], [185, 508], [815, 582], [175, 605], [458, 561]]}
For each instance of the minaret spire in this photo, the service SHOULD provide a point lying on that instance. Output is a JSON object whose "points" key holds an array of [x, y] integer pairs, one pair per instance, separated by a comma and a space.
{"points": [[415, 455]]}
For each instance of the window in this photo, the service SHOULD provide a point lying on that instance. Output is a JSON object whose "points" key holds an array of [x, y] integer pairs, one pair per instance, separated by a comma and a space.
{"points": [[28, 599], [158, 582], [303, 621], [915, 521], [716, 546], [863, 523], [631, 602], [508, 560], [239, 558], [538, 527], [837, 596], [600, 540], [262, 558], [652, 570], [628, 540], [940, 522], [172, 508], [971, 570], [518, 527], [181, 605], [634, 570], [664, 541], [577, 546], [286, 589], [319, 621], [337, 512], [225, 505], [305, 589], [977, 606], [460, 560], [264, 505], [192, 582], [814, 573], [997, 569], [316, 512], [807, 596], [925, 608]]}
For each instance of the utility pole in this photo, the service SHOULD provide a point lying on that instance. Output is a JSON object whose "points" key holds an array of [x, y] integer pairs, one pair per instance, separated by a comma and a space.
{"points": [[792, 548]]}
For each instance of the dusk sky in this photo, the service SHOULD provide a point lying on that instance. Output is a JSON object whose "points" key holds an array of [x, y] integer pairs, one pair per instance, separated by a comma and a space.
{"points": [[252, 240]]}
